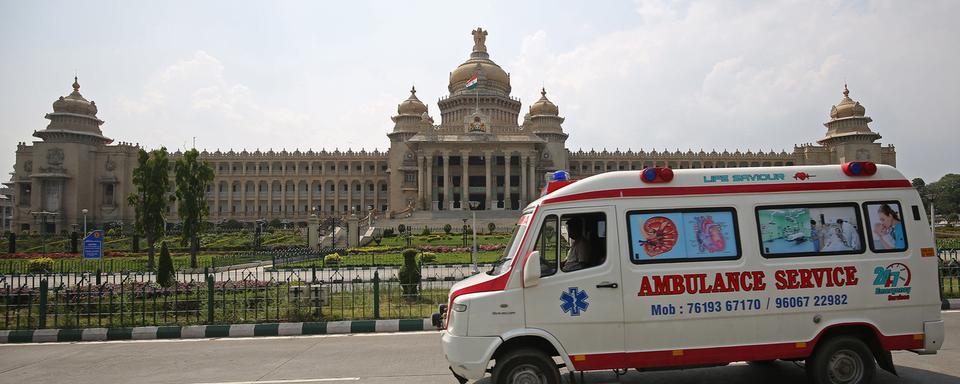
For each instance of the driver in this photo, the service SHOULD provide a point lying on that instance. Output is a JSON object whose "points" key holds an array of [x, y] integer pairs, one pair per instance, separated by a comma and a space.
{"points": [[578, 257]]}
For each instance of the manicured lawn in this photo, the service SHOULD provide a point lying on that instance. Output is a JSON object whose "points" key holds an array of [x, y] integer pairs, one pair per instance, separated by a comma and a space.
{"points": [[395, 259]]}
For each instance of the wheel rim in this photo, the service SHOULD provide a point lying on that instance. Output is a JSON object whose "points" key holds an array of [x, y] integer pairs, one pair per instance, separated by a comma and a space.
{"points": [[526, 374], [845, 366]]}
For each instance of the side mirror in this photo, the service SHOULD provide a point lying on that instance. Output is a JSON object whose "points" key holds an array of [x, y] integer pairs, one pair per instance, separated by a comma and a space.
{"points": [[531, 270]]}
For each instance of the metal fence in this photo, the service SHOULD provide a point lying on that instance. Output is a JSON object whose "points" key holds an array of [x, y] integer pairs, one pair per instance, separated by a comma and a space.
{"points": [[248, 296]]}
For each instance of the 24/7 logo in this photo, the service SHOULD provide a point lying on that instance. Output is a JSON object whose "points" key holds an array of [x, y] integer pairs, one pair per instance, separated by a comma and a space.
{"points": [[893, 281], [574, 301]]}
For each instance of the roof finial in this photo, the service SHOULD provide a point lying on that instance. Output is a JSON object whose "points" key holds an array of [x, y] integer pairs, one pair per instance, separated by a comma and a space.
{"points": [[413, 90], [543, 91], [76, 84], [846, 92]]}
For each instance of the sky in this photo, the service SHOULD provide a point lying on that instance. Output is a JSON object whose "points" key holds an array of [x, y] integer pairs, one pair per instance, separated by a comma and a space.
{"points": [[641, 75]]}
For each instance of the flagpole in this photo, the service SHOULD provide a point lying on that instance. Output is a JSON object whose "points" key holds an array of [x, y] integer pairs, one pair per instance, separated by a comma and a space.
{"points": [[478, 95]]}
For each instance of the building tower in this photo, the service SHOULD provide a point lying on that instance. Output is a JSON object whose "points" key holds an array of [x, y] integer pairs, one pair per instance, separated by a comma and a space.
{"points": [[849, 137]]}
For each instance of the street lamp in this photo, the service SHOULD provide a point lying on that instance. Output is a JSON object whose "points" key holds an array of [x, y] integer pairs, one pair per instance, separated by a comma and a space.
{"points": [[473, 255], [84, 212]]}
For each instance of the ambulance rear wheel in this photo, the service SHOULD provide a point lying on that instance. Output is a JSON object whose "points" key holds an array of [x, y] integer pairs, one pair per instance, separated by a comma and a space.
{"points": [[525, 366], [841, 360]]}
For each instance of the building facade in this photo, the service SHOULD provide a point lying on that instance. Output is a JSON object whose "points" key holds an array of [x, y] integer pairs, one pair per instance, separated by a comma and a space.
{"points": [[485, 153]]}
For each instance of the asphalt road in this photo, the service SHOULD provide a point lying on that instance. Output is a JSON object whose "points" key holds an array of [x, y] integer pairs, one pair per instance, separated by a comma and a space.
{"points": [[371, 358]]}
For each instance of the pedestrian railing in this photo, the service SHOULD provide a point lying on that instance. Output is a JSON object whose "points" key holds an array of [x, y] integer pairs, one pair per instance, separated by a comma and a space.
{"points": [[228, 297]]}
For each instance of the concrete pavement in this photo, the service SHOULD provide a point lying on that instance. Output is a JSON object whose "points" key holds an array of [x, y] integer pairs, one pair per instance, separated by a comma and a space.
{"points": [[371, 358]]}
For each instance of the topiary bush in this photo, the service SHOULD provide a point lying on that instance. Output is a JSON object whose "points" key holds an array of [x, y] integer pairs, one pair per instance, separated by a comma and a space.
{"points": [[388, 232], [491, 227], [40, 265], [426, 230], [165, 275], [409, 273], [447, 228], [401, 228]]}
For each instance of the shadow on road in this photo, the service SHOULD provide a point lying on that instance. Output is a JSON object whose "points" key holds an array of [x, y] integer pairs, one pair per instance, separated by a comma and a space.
{"points": [[780, 372]]}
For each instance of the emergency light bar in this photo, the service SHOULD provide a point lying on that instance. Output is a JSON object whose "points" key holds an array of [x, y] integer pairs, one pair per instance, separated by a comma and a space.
{"points": [[656, 175], [859, 168], [558, 179]]}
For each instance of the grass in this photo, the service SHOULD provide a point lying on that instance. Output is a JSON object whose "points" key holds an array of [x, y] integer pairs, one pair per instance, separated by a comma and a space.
{"points": [[393, 259], [120, 264], [233, 241]]}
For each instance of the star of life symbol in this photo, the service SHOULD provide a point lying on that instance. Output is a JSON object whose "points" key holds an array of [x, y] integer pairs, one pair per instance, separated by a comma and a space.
{"points": [[574, 301]]}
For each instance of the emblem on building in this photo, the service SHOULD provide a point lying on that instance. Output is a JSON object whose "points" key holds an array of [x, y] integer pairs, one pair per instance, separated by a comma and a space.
{"points": [[55, 156], [863, 154], [110, 165]]}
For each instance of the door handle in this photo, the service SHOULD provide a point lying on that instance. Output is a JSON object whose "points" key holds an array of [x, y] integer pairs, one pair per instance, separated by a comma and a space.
{"points": [[607, 285]]}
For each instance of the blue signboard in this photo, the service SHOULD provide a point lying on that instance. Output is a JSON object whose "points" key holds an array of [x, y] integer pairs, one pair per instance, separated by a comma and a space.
{"points": [[93, 245]]}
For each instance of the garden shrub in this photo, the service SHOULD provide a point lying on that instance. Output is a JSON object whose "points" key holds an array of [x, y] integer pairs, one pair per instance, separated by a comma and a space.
{"points": [[447, 228], [40, 265], [165, 275], [401, 228], [426, 230], [332, 259], [491, 227], [409, 272], [428, 257], [388, 232]]}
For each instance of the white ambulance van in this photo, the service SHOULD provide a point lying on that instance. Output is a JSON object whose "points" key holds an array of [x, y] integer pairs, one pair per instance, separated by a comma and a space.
{"points": [[654, 269]]}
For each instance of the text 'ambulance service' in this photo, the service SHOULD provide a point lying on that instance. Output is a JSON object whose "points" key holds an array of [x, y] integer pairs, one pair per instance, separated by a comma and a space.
{"points": [[832, 265]]}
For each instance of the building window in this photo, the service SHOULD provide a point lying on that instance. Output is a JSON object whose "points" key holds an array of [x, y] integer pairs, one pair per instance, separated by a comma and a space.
{"points": [[383, 187], [409, 177], [108, 194]]}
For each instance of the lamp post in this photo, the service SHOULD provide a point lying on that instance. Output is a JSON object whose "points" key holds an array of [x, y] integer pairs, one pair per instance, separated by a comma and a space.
{"points": [[42, 217], [84, 212], [473, 254]]}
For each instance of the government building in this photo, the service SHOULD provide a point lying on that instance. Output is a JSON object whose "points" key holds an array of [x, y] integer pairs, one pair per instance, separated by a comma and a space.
{"points": [[486, 153]]}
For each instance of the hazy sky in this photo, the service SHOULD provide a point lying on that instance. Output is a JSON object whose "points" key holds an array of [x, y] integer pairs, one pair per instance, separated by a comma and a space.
{"points": [[639, 75]]}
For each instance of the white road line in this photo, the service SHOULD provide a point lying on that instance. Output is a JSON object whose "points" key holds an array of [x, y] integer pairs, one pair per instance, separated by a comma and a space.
{"points": [[951, 311], [331, 379], [410, 333]]}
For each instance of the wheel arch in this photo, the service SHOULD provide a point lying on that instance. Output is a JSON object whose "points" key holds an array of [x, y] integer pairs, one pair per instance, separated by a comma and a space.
{"points": [[863, 331], [532, 338]]}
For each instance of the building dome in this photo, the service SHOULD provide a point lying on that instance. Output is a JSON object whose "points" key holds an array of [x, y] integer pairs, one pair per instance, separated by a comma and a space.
{"points": [[412, 105], [847, 107], [480, 64], [75, 103], [544, 106]]}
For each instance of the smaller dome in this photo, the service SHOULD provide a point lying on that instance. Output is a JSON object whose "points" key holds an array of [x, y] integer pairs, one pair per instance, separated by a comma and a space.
{"points": [[412, 105], [75, 103], [544, 106], [847, 107]]}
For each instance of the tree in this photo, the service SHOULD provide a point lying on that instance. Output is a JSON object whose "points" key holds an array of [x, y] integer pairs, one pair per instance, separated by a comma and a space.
{"points": [[165, 275], [946, 194], [193, 177], [151, 181], [923, 190]]}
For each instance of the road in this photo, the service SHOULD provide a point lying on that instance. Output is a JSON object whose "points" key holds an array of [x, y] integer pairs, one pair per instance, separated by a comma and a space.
{"points": [[370, 358]]}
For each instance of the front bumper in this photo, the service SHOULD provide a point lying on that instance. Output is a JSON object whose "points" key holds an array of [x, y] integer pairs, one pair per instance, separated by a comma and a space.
{"points": [[469, 356]]}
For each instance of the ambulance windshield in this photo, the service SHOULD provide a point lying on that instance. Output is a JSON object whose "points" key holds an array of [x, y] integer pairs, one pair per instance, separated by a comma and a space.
{"points": [[503, 263]]}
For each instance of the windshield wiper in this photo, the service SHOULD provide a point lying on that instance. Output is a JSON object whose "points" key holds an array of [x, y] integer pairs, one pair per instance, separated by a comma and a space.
{"points": [[497, 264]]}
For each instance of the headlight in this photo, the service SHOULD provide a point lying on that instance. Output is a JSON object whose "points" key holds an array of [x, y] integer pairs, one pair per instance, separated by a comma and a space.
{"points": [[460, 307]]}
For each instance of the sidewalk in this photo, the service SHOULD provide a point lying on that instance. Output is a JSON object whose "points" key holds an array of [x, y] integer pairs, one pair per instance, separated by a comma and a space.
{"points": [[207, 331]]}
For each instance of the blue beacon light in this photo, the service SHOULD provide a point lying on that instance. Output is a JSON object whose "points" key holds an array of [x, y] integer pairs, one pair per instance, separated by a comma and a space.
{"points": [[561, 176], [649, 174]]}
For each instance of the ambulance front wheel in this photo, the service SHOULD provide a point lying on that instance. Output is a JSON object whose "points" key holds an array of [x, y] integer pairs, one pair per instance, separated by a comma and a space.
{"points": [[525, 366], [841, 360]]}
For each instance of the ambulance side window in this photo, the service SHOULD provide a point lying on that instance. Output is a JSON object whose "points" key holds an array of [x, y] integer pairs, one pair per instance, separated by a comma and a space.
{"points": [[680, 235], [547, 246], [810, 230], [885, 226]]}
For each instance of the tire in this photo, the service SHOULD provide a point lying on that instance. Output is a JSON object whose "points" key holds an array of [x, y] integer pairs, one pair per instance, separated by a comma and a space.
{"points": [[525, 366], [841, 360], [762, 363]]}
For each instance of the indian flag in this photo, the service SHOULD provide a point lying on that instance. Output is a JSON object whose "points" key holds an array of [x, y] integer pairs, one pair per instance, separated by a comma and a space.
{"points": [[472, 83]]}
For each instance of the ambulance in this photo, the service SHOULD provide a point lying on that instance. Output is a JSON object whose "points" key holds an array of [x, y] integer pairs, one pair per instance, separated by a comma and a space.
{"points": [[830, 265]]}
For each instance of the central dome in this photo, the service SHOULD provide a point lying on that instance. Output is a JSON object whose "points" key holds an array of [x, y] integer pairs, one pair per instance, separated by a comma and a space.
{"points": [[489, 74]]}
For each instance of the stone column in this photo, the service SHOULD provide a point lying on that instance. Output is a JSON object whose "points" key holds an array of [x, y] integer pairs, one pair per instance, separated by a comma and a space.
{"points": [[430, 161], [487, 157], [446, 181], [270, 198], [283, 196], [216, 198], [464, 182], [506, 181], [533, 178], [243, 199], [421, 189], [523, 181], [336, 194]]}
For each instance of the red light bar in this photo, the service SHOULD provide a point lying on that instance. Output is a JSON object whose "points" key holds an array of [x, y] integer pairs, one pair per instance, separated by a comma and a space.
{"points": [[656, 175], [555, 185], [859, 168]]}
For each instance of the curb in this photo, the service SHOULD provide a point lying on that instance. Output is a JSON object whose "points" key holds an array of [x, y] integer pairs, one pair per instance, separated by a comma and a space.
{"points": [[953, 303], [209, 331]]}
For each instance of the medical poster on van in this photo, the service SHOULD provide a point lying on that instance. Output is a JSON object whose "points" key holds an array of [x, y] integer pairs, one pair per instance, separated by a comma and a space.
{"points": [[682, 235], [809, 230], [885, 226]]}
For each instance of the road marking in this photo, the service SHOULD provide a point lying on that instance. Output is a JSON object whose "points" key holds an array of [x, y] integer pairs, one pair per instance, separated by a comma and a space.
{"points": [[331, 379]]}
